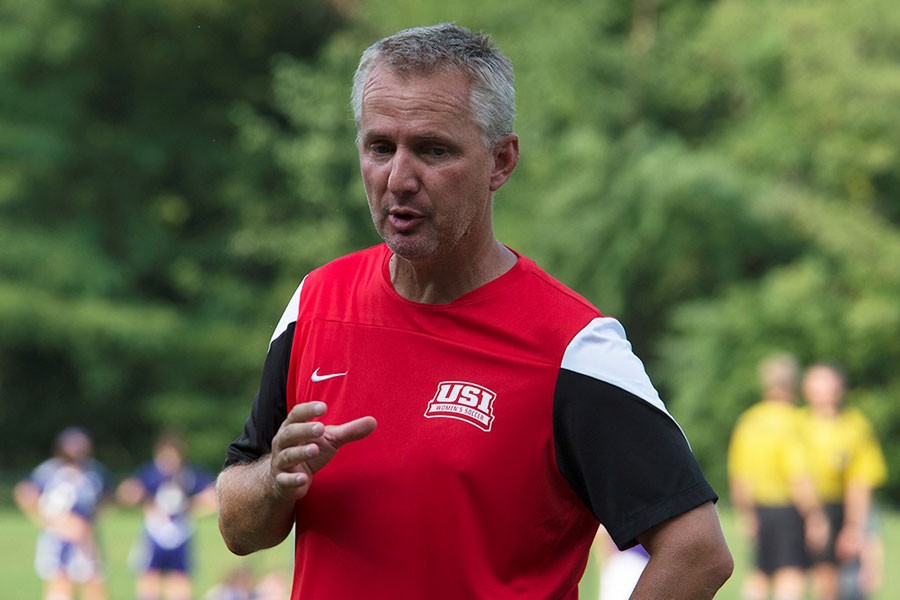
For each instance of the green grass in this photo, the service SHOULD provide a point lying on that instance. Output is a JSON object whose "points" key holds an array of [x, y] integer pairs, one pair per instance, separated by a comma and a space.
{"points": [[120, 528], [890, 528], [890, 531]]}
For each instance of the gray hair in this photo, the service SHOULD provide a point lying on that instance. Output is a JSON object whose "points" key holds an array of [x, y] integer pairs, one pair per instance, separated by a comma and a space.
{"points": [[779, 372], [492, 97]]}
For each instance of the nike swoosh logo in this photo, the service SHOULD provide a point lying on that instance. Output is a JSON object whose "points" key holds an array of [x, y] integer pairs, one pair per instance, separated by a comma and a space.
{"points": [[317, 378]]}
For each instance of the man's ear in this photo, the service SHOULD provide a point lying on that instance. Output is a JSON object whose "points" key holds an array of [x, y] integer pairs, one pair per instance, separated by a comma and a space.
{"points": [[506, 156]]}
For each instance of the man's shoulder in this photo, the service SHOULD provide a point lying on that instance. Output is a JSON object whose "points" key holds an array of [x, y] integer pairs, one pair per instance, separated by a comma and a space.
{"points": [[852, 419], [341, 282], [147, 471], [368, 258], [769, 413], [349, 270], [47, 468], [553, 290]]}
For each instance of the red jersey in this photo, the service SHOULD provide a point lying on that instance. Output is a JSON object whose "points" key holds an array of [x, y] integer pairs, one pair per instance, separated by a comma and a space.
{"points": [[509, 422]]}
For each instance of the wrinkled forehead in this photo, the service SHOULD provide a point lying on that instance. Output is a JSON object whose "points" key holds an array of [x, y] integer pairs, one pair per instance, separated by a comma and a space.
{"points": [[423, 91], [407, 72], [419, 65]]}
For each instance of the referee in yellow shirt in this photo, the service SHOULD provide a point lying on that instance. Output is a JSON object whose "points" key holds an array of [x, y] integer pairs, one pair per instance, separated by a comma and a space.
{"points": [[847, 465], [771, 486]]}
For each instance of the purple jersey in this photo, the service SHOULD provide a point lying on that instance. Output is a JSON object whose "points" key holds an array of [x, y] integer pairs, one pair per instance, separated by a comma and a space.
{"points": [[167, 518], [67, 488]]}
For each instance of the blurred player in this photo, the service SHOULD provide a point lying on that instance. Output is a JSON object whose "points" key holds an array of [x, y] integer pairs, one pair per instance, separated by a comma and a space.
{"points": [[619, 569], [170, 490], [771, 487], [62, 496], [847, 464]]}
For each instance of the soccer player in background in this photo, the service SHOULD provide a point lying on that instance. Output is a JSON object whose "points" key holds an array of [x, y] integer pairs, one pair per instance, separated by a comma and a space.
{"points": [[62, 497], [772, 489], [172, 492], [847, 465]]}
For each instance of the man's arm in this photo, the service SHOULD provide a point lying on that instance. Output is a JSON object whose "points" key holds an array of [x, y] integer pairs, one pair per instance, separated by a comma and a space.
{"points": [[256, 500], [741, 491], [131, 492], [252, 513], [689, 559], [816, 527], [27, 496], [857, 505]]}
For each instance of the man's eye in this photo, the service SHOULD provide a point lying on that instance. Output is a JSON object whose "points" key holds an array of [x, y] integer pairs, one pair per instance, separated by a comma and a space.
{"points": [[436, 151], [380, 149]]}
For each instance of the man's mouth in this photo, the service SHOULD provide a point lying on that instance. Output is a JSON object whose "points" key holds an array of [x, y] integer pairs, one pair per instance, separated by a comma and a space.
{"points": [[404, 219]]}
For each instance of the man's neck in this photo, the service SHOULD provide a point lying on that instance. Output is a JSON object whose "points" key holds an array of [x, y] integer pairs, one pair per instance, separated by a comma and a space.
{"points": [[780, 396], [443, 282]]}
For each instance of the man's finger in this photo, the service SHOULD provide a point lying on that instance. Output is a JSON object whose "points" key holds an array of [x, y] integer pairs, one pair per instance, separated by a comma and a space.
{"points": [[306, 411], [351, 431], [295, 434], [292, 480]]}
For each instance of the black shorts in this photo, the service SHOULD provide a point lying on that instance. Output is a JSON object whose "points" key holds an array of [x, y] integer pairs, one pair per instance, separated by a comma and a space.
{"points": [[835, 515], [780, 540]]}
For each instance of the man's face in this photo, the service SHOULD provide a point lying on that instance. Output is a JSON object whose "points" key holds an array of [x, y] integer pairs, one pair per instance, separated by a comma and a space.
{"points": [[427, 173], [168, 458], [75, 446], [823, 388]]}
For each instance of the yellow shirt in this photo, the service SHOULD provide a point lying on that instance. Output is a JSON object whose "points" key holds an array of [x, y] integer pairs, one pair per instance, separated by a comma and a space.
{"points": [[766, 452], [842, 450]]}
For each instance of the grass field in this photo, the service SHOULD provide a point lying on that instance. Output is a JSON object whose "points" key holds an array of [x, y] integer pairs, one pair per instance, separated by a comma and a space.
{"points": [[120, 528]]}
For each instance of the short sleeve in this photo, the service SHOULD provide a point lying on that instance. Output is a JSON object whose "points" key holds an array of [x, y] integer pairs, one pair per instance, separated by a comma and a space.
{"points": [[616, 444], [867, 464], [269, 408]]}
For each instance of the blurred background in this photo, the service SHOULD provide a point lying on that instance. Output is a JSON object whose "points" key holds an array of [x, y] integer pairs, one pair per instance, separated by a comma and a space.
{"points": [[722, 176]]}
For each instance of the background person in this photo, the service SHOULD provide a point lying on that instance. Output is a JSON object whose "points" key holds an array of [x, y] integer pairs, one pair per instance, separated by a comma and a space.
{"points": [[771, 486], [863, 578], [847, 465], [511, 415], [62, 496], [237, 585], [172, 492], [274, 585], [620, 570]]}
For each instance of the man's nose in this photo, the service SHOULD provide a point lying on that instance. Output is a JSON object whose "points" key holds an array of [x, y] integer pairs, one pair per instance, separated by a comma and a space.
{"points": [[404, 177]]}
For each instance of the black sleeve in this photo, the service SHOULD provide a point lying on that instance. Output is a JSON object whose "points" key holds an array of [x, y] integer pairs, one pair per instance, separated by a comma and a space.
{"points": [[269, 407], [628, 460]]}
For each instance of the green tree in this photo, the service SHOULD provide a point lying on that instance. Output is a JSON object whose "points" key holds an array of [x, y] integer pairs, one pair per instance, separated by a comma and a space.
{"points": [[808, 103], [127, 299], [721, 176]]}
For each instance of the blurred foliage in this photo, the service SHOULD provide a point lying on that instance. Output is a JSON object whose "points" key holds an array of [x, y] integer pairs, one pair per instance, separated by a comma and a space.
{"points": [[129, 297], [722, 176]]}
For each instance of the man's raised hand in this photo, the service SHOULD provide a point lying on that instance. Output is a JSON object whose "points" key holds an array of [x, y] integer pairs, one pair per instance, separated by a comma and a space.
{"points": [[303, 446]]}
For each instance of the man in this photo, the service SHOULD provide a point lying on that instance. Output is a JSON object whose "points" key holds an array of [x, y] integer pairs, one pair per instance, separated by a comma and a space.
{"points": [[62, 496], [847, 465], [771, 486], [511, 415], [172, 492]]}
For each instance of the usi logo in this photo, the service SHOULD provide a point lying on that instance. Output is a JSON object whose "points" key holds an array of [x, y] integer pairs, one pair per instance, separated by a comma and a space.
{"points": [[465, 401]]}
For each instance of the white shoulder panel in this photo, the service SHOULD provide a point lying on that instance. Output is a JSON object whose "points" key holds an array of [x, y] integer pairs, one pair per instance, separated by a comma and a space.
{"points": [[290, 314], [602, 351]]}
